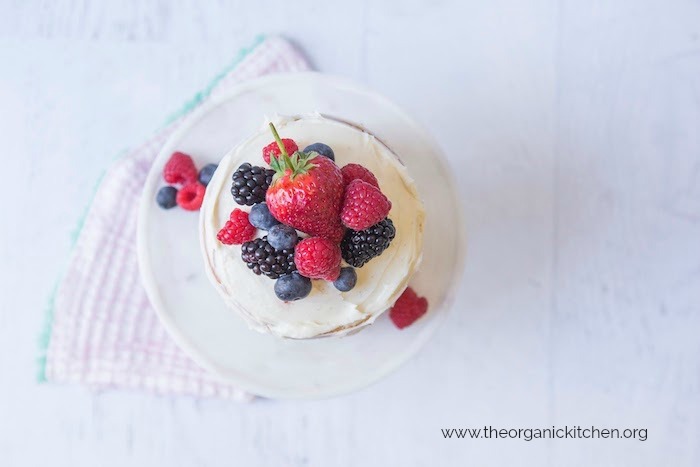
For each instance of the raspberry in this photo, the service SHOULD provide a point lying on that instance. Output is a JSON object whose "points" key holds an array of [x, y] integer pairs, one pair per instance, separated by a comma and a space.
{"points": [[354, 171], [180, 169], [190, 196], [318, 258], [408, 308], [273, 149], [237, 229], [363, 205]]}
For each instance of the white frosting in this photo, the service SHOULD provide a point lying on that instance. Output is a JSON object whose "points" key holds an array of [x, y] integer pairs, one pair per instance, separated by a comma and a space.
{"points": [[326, 311]]}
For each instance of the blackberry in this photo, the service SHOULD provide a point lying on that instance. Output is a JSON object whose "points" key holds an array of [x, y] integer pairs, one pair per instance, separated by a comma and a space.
{"points": [[261, 258], [250, 183], [358, 247]]}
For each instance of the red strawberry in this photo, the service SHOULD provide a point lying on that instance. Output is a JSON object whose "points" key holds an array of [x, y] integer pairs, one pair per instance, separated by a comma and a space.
{"points": [[408, 308], [273, 149], [190, 197], [306, 193], [363, 205], [180, 169], [354, 171], [237, 229], [318, 258]]}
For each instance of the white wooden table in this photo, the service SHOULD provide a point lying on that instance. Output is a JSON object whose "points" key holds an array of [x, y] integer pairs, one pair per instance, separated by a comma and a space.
{"points": [[574, 130]]}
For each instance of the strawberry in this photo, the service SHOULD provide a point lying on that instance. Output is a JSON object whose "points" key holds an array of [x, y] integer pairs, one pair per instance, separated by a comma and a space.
{"points": [[272, 150], [306, 192]]}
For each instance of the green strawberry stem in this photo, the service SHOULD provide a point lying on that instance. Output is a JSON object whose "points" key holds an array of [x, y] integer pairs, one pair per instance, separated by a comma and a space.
{"points": [[278, 140], [298, 163], [280, 144]]}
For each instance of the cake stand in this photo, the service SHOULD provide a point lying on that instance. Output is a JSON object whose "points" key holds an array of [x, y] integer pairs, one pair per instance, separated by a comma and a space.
{"points": [[172, 268]]}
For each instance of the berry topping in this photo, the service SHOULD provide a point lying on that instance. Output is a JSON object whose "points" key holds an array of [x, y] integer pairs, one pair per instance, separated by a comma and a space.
{"points": [[318, 258], [292, 287], [237, 229], [408, 308], [190, 196], [250, 184], [261, 217], [263, 259], [306, 193], [166, 197], [206, 173], [356, 171], [363, 205], [322, 149], [273, 149], [346, 280], [180, 169], [359, 247], [282, 237]]}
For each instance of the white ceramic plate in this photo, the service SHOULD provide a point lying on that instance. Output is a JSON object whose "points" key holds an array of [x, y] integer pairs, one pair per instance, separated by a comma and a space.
{"points": [[173, 273]]}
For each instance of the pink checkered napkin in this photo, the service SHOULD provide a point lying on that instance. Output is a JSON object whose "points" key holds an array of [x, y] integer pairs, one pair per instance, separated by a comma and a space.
{"points": [[104, 332]]}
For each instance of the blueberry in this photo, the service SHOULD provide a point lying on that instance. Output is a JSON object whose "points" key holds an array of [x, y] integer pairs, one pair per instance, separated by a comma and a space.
{"points": [[322, 149], [346, 280], [206, 173], [166, 197], [261, 218], [292, 286], [282, 237]]}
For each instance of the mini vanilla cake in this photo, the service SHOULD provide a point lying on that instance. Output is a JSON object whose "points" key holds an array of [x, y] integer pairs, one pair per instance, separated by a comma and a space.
{"points": [[284, 273]]}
